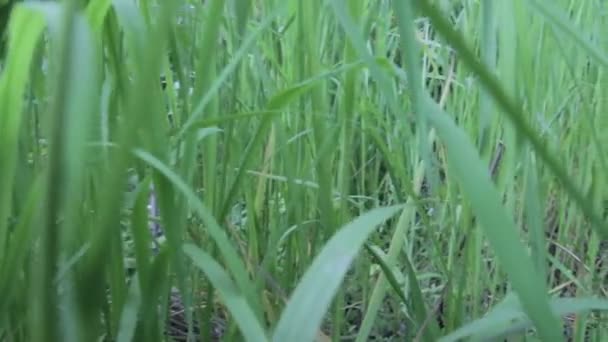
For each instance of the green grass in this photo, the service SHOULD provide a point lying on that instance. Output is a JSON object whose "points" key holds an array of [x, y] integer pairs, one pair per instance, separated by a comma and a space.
{"points": [[324, 170]]}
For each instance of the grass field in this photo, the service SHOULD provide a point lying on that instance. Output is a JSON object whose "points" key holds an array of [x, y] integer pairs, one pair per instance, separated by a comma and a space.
{"points": [[340, 170]]}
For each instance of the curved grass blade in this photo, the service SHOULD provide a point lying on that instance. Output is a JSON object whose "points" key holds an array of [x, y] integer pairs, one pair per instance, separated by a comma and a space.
{"points": [[379, 292], [240, 310], [388, 275], [513, 112], [508, 317], [386, 263], [468, 168], [304, 312], [229, 254], [416, 305]]}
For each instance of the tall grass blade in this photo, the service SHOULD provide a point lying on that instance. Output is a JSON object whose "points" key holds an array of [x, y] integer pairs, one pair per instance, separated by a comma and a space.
{"points": [[25, 29], [499, 228], [302, 316], [229, 254], [514, 114], [509, 317], [249, 325]]}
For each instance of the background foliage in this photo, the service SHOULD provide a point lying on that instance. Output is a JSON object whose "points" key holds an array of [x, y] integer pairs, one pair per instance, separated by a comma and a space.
{"points": [[329, 170]]}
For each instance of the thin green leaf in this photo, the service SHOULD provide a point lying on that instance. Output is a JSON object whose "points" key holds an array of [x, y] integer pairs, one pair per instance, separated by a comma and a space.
{"points": [[25, 30], [509, 317], [474, 178], [128, 320], [304, 312], [513, 112], [231, 257], [236, 303]]}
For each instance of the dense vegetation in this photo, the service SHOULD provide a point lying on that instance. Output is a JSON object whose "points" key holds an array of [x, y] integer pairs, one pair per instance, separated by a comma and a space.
{"points": [[331, 170]]}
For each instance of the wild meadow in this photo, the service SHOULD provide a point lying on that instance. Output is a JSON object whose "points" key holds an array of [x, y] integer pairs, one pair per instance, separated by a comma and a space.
{"points": [[339, 170]]}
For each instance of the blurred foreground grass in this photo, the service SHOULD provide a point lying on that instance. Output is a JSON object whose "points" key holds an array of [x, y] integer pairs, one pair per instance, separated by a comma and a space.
{"points": [[330, 170]]}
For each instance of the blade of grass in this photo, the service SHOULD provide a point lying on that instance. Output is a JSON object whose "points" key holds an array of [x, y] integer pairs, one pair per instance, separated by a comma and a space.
{"points": [[534, 214], [310, 300], [229, 254], [513, 112], [128, 320], [476, 184], [558, 20], [249, 325], [276, 103], [475, 181], [46, 305], [25, 29], [508, 317], [416, 305], [217, 83]]}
